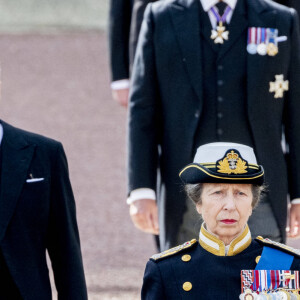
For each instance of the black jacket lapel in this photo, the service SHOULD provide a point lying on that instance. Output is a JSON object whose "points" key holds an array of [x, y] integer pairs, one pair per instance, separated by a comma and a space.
{"points": [[258, 16], [236, 28], [185, 17], [16, 157]]}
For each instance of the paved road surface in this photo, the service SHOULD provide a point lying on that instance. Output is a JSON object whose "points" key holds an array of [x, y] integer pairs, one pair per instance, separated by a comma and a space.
{"points": [[57, 85]]}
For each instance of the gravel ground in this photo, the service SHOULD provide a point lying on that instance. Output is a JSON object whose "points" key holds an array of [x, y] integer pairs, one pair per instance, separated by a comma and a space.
{"points": [[58, 85]]}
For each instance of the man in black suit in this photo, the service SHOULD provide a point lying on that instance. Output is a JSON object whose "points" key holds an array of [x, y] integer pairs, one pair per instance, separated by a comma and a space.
{"points": [[37, 213], [138, 10], [200, 77], [125, 19], [118, 38]]}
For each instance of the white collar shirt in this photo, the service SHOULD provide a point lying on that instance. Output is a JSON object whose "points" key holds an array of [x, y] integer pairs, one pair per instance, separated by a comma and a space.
{"points": [[1, 133], [208, 4]]}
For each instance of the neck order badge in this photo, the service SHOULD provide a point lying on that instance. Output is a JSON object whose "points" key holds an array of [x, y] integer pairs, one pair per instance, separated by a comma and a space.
{"points": [[220, 34]]}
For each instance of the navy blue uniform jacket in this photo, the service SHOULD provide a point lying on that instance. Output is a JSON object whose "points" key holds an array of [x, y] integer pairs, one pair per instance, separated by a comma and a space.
{"points": [[211, 276]]}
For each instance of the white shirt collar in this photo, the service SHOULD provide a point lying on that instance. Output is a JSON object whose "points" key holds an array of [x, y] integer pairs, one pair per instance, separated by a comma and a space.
{"points": [[208, 4], [1, 132]]}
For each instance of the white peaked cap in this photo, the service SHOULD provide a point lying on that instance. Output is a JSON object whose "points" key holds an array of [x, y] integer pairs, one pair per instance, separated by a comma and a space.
{"points": [[210, 153]]}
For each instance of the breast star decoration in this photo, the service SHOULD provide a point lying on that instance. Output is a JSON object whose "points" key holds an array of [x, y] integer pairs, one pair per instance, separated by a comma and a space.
{"points": [[279, 86], [219, 34]]}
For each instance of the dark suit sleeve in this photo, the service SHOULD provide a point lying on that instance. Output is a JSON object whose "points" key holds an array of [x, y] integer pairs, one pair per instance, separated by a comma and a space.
{"points": [[63, 238], [119, 27], [292, 110], [136, 22], [152, 285], [143, 112]]}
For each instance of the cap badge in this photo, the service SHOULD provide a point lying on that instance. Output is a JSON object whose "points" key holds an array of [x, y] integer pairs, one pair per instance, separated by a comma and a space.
{"points": [[232, 163]]}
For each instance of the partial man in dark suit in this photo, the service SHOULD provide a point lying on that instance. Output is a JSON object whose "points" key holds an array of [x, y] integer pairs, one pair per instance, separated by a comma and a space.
{"points": [[138, 10], [118, 33], [37, 214], [208, 71], [125, 19]]}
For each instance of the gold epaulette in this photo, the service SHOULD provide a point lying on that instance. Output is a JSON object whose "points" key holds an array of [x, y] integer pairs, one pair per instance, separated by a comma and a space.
{"points": [[174, 250], [279, 246]]}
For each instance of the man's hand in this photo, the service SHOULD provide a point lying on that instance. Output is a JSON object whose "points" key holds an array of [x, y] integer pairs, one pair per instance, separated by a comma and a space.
{"points": [[144, 215], [121, 96], [294, 231]]}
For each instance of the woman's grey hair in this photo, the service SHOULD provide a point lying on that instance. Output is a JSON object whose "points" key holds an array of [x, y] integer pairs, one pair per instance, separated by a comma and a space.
{"points": [[194, 191]]}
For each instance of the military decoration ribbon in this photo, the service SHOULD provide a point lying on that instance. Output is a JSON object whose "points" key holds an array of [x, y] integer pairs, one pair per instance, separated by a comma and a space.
{"points": [[262, 46], [272, 48], [252, 47], [269, 284], [220, 33], [263, 41]]}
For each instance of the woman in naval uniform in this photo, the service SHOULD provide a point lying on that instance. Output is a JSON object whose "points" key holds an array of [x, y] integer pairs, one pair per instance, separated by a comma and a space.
{"points": [[225, 183]]}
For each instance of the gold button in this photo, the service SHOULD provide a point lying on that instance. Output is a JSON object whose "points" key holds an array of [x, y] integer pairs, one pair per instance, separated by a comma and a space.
{"points": [[193, 240], [186, 258], [187, 286], [260, 238], [257, 259]]}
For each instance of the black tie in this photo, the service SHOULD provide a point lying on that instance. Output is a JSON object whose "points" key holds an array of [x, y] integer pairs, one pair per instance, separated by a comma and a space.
{"points": [[221, 5]]}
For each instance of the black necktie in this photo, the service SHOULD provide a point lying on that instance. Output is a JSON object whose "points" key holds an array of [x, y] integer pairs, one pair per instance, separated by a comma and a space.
{"points": [[221, 5]]}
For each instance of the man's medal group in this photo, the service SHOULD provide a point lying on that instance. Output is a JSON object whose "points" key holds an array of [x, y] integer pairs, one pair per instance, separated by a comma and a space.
{"points": [[263, 41]]}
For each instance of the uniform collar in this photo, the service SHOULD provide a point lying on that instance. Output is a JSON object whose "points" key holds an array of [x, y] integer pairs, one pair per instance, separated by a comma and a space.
{"points": [[208, 4], [214, 245]]}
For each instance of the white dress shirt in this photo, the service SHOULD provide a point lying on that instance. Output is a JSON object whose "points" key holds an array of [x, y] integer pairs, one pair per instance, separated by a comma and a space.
{"points": [[120, 84], [208, 4], [1, 133]]}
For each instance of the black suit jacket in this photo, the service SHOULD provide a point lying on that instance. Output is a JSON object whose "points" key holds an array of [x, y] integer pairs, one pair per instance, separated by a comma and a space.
{"points": [[166, 103], [37, 216], [211, 276], [125, 20], [291, 3], [118, 38], [136, 23]]}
